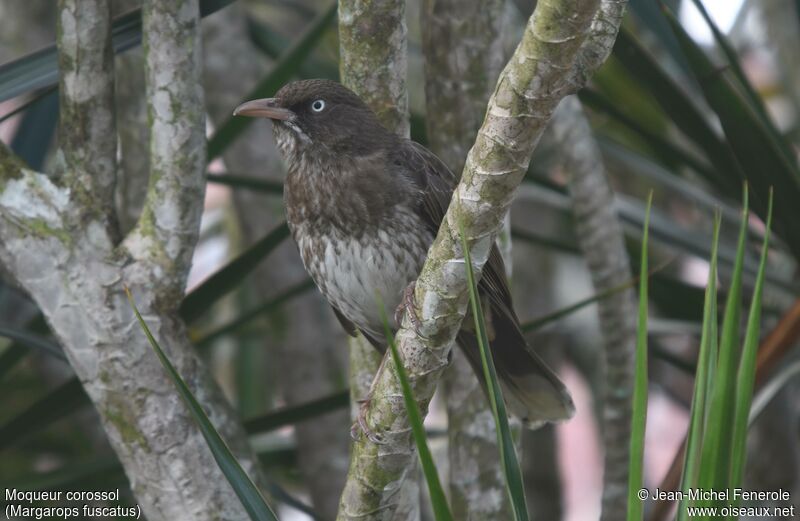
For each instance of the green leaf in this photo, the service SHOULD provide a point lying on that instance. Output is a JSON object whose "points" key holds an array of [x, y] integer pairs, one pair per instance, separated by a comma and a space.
{"points": [[717, 442], [40, 69], [297, 413], [199, 300], [441, 510], [697, 424], [505, 443], [245, 489], [758, 151], [286, 68], [58, 403], [746, 374], [664, 148], [247, 316], [733, 61], [639, 414], [679, 107]]}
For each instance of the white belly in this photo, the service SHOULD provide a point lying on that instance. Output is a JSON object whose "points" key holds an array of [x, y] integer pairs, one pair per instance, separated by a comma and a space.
{"points": [[355, 275]]}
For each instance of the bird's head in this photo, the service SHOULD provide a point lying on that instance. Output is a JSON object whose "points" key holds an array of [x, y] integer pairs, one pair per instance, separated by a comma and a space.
{"points": [[320, 116]]}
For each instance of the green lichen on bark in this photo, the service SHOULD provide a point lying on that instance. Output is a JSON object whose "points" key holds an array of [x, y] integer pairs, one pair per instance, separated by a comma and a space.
{"points": [[87, 130], [42, 229], [11, 166], [126, 427], [168, 229], [372, 57], [373, 63]]}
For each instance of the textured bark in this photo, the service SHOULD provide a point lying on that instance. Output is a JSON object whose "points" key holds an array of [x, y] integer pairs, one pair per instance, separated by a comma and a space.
{"points": [[602, 242], [58, 241], [87, 131], [463, 56], [546, 66], [373, 59], [132, 129], [373, 63], [134, 136], [168, 227], [311, 359]]}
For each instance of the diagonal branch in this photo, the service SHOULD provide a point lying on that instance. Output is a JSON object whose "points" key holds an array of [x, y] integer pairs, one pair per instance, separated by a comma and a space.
{"points": [[168, 227], [87, 130], [541, 72]]}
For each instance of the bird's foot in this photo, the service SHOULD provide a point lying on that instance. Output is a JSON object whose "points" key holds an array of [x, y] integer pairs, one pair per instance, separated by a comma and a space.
{"points": [[407, 305], [360, 426]]}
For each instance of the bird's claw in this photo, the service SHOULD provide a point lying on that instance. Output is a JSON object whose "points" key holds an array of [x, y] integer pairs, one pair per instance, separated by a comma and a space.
{"points": [[360, 426], [407, 305]]}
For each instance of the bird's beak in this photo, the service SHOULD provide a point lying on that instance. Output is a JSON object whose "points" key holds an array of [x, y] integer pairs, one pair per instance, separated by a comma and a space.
{"points": [[263, 108]]}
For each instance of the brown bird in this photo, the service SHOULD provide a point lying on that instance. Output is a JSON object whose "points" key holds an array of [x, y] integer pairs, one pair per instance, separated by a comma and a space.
{"points": [[364, 206]]}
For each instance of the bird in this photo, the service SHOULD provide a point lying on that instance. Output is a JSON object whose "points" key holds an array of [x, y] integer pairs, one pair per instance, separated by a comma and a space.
{"points": [[363, 206]]}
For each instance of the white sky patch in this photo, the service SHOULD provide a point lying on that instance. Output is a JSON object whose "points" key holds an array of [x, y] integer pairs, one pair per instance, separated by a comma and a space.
{"points": [[723, 12]]}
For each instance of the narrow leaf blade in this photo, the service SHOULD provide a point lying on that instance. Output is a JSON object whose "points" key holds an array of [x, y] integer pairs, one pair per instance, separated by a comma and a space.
{"points": [[441, 510], [639, 414], [694, 438], [747, 368], [505, 443]]}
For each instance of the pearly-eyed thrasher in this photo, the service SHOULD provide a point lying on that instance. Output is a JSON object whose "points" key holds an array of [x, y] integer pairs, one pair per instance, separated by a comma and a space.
{"points": [[364, 206]]}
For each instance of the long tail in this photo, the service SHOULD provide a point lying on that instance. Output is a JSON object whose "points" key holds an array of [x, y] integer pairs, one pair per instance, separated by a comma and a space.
{"points": [[531, 390]]}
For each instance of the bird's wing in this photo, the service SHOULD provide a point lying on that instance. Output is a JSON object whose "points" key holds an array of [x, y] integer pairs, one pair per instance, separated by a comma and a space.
{"points": [[437, 183]]}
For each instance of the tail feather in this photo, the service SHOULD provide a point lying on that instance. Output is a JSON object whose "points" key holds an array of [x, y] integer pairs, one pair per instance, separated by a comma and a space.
{"points": [[532, 391]]}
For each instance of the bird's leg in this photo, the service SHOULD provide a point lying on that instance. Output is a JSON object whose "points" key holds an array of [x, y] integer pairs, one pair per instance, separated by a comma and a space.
{"points": [[363, 409], [407, 305]]}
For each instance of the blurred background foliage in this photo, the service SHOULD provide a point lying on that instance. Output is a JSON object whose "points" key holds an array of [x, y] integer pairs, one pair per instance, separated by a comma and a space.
{"points": [[687, 107]]}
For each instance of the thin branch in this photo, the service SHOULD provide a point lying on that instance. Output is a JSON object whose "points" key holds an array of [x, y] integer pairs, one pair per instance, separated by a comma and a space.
{"points": [[87, 131], [168, 227], [601, 239], [605, 27], [538, 76]]}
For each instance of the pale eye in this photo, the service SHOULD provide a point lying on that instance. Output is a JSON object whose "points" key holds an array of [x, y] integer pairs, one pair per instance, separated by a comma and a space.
{"points": [[318, 105]]}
